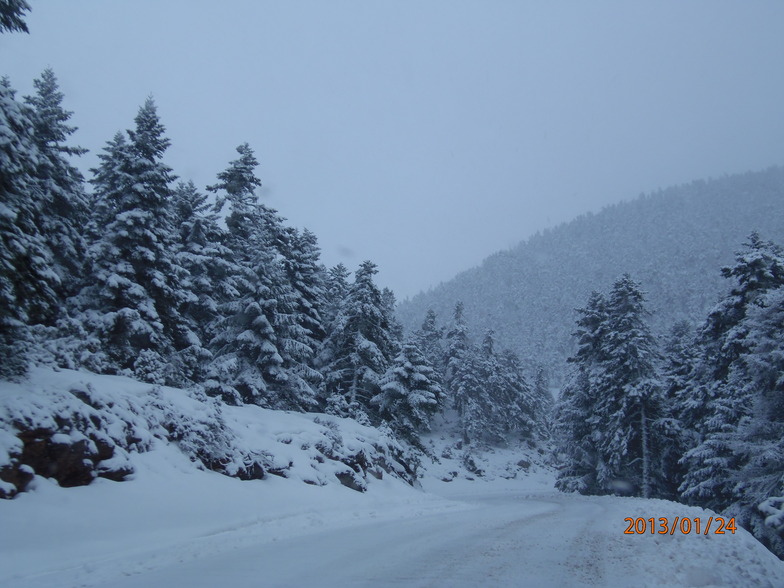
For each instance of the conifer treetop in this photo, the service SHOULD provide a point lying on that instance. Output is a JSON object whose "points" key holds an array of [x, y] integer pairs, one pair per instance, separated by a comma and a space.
{"points": [[239, 182]]}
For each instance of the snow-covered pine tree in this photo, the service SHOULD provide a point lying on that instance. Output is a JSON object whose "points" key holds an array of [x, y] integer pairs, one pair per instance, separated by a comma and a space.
{"points": [[494, 402], [631, 398], [248, 366], [574, 421], [389, 303], [429, 338], [457, 345], [65, 208], [467, 391], [544, 402], [12, 15], [679, 361], [523, 408], [573, 428], [496, 409], [336, 287], [202, 253], [409, 394], [136, 290], [300, 326], [719, 394], [306, 276], [28, 285], [759, 439], [358, 350], [737, 464], [617, 391]]}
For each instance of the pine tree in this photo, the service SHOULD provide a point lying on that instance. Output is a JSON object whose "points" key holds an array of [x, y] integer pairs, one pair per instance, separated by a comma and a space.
{"points": [[575, 421], [12, 14], [335, 292], [617, 392], [428, 338], [759, 438], [135, 292], [299, 322], [543, 402], [389, 303], [573, 429], [634, 399], [65, 208], [408, 394], [29, 288], [51, 119], [719, 392], [457, 346], [237, 185], [524, 409], [467, 391], [359, 349], [680, 357], [202, 253], [248, 366]]}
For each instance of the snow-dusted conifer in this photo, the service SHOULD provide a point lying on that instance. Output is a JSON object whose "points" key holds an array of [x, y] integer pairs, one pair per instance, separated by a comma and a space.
{"points": [[466, 391], [457, 345], [28, 285], [389, 303], [493, 400], [135, 292], [429, 338], [409, 394], [617, 391], [575, 421], [248, 366], [732, 383], [299, 322], [543, 400], [573, 432], [202, 253], [525, 409], [12, 15], [359, 349], [335, 292], [65, 207]]}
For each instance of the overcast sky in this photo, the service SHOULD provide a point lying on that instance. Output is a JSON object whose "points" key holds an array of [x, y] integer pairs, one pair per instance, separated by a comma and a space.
{"points": [[425, 135]]}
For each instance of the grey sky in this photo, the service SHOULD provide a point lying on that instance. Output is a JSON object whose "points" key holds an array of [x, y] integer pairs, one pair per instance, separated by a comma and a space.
{"points": [[425, 135]]}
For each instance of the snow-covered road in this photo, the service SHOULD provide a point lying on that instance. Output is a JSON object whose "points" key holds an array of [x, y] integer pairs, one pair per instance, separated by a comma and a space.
{"points": [[176, 526], [500, 538], [503, 542]]}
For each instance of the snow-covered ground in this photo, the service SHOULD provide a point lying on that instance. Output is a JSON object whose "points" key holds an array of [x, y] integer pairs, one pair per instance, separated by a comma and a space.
{"points": [[174, 525]]}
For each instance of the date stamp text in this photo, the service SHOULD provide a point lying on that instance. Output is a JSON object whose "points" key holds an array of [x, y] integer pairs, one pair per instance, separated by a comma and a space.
{"points": [[682, 525]]}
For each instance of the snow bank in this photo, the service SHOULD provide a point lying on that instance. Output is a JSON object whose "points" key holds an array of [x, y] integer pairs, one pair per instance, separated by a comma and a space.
{"points": [[74, 427]]}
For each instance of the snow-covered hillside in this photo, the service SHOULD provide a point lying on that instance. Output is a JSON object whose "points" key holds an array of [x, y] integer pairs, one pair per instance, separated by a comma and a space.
{"points": [[74, 426], [175, 522], [673, 241]]}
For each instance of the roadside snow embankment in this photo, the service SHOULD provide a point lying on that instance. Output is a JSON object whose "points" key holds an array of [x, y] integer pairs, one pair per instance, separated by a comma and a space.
{"points": [[74, 427]]}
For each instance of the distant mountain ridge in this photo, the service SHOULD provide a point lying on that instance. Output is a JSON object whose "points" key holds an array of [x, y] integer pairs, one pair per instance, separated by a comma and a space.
{"points": [[673, 241]]}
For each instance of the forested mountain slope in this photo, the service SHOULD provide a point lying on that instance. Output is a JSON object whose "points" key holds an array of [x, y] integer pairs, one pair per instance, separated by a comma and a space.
{"points": [[673, 241]]}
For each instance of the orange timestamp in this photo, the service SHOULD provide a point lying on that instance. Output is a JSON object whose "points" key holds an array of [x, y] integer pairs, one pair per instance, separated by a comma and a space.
{"points": [[683, 525]]}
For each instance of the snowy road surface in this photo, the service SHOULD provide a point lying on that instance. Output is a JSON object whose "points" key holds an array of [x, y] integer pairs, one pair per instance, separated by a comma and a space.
{"points": [[176, 526], [500, 538], [504, 542]]}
